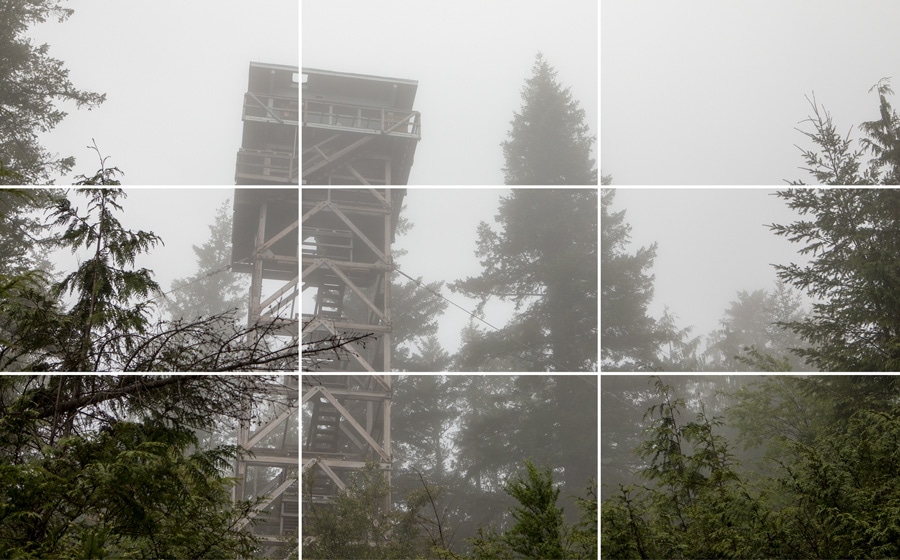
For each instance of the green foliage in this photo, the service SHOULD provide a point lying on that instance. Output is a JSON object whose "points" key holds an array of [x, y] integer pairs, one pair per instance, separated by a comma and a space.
{"points": [[539, 530], [97, 317], [548, 264], [357, 524], [584, 536], [835, 162], [549, 143], [844, 491], [31, 82], [828, 488], [629, 336], [853, 238], [697, 506], [129, 490], [104, 288], [500, 419]]}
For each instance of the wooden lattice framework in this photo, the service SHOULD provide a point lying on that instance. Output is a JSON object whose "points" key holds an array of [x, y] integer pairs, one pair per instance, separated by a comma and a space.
{"points": [[358, 129], [347, 422], [270, 470], [347, 236], [265, 239]]}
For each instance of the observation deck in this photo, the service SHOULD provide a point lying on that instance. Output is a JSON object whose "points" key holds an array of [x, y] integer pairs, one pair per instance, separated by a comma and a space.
{"points": [[269, 146], [358, 129]]}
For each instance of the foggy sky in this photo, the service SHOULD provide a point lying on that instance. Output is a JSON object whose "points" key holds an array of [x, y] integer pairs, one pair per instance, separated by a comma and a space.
{"points": [[706, 92], [175, 74], [471, 59], [442, 245], [712, 244]]}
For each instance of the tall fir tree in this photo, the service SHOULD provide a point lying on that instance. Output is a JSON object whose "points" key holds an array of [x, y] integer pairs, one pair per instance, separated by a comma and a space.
{"points": [[836, 162], [630, 337], [544, 258], [853, 276], [549, 143]]}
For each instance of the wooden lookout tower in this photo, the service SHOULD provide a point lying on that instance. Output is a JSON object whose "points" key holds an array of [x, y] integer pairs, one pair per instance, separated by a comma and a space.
{"points": [[270, 142], [347, 236], [264, 242], [346, 422], [358, 129]]}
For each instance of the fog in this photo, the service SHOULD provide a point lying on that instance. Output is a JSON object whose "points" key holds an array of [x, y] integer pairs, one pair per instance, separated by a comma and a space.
{"points": [[470, 58], [738, 466], [626, 399], [709, 93], [181, 217], [175, 74], [465, 436], [441, 246], [712, 244]]}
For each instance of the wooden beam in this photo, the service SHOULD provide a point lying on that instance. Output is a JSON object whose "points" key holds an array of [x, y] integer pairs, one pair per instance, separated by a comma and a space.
{"points": [[349, 418]]}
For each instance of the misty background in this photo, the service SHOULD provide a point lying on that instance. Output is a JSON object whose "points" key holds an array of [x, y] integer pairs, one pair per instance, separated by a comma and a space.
{"points": [[741, 466], [498, 247], [466, 435], [698, 92], [175, 74], [441, 246], [712, 244], [626, 398], [471, 59]]}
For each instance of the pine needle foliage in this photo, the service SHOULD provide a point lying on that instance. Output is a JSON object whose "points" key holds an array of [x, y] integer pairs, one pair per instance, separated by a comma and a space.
{"points": [[549, 142], [853, 239], [105, 285], [31, 84]]}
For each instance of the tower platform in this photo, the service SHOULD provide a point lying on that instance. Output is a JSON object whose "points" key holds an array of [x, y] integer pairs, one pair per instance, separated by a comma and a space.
{"points": [[358, 129]]}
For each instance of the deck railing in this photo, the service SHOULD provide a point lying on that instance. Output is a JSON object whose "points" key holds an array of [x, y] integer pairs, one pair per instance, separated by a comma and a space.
{"points": [[279, 167], [345, 116], [270, 108]]}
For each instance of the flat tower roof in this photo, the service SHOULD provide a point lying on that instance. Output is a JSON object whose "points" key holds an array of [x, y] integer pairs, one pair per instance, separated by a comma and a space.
{"points": [[396, 93]]}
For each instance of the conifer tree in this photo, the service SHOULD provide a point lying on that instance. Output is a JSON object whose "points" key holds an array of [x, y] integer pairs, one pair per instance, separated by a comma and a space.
{"points": [[31, 81], [629, 336], [549, 143], [853, 275], [105, 286], [211, 290], [837, 163], [545, 259]]}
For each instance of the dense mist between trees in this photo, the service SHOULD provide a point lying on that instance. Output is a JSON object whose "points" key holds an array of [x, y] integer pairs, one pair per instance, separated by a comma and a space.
{"points": [[477, 461], [771, 281], [750, 466]]}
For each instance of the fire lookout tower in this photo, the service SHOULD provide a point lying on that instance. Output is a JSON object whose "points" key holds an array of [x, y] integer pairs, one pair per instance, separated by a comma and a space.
{"points": [[268, 152], [347, 236], [358, 129]]}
